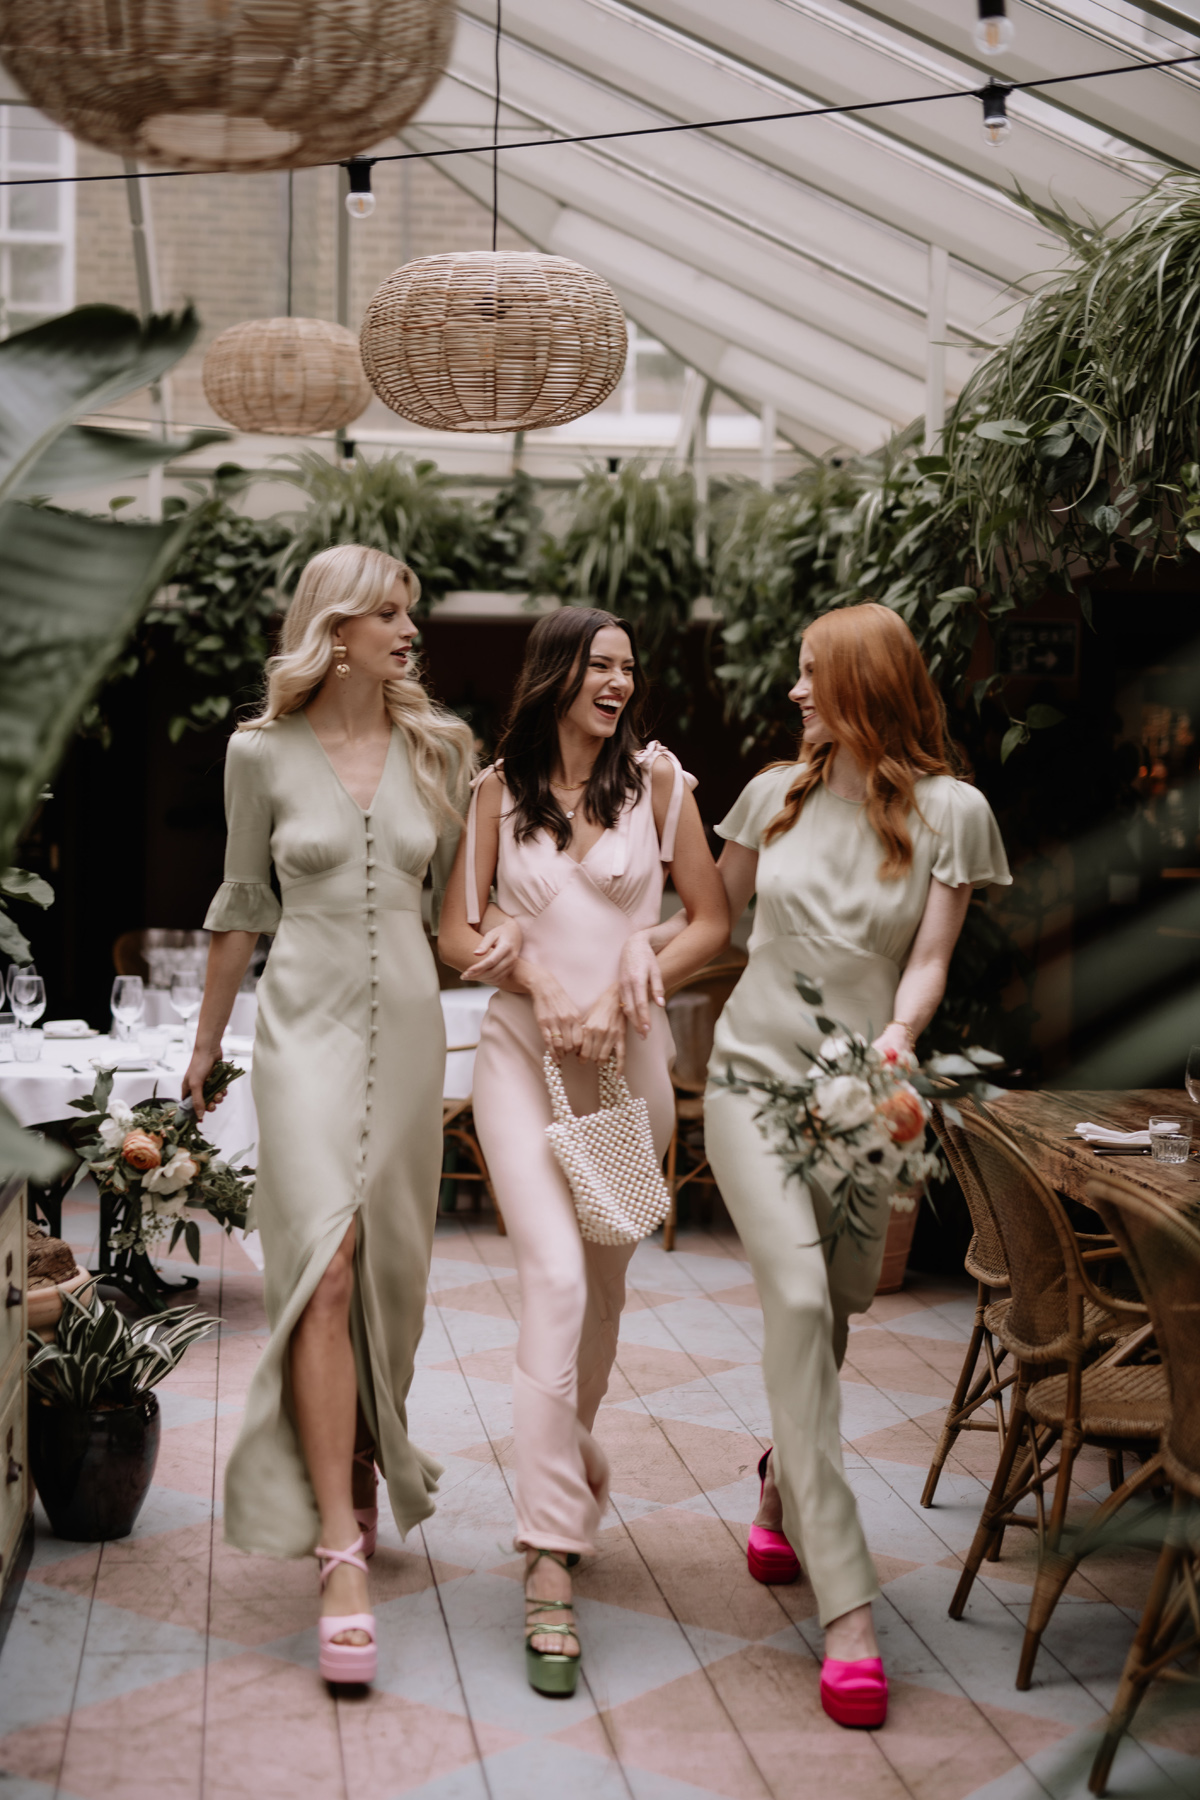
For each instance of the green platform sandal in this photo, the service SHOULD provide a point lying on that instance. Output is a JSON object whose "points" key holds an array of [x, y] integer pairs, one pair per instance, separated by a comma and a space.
{"points": [[550, 1672]]}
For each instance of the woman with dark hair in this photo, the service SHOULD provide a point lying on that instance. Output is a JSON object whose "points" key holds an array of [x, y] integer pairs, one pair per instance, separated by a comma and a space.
{"points": [[863, 855], [576, 824]]}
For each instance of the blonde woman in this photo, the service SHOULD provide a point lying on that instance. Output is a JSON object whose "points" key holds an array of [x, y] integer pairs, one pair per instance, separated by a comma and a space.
{"points": [[350, 784]]}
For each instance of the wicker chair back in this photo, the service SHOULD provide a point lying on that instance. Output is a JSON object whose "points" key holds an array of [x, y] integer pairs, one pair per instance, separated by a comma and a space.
{"points": [[985, 1258], [1163, 1251]]}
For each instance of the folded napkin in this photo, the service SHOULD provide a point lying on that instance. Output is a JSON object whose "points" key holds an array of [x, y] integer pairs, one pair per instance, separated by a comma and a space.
{"points": [[1101, 1136], [67, 1028]]}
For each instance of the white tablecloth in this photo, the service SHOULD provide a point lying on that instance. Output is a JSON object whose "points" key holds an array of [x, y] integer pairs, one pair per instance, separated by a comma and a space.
{"points": [[159, 1011], [41, 1091]]}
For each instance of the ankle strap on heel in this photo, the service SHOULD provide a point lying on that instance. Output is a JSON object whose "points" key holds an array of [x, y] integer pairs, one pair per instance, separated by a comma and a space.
{"points": [[329, 1559]]}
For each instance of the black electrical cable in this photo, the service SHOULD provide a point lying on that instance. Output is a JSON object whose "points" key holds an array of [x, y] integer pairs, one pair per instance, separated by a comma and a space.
{"points": [[496, 137], [641, 131]]}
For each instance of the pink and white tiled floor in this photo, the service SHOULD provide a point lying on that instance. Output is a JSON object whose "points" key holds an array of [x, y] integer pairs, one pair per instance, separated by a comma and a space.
{"points": [[168, 1667]]}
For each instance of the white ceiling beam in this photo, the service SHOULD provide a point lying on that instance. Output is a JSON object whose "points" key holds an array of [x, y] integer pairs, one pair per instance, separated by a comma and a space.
{"points": [[656, 81], [1155, 112]]}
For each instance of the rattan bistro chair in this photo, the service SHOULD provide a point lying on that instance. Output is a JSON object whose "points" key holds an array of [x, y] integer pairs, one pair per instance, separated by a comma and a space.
{"points": [[978, 1400], [693, 1007], [1164, 1253], [1057, 1317]]}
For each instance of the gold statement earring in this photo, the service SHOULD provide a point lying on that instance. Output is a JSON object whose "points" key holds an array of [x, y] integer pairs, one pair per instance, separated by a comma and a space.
{"points": [[341, 667]]}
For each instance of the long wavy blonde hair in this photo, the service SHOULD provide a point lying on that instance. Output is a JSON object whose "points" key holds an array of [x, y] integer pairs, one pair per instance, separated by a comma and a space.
{"points": [[348, 582]]}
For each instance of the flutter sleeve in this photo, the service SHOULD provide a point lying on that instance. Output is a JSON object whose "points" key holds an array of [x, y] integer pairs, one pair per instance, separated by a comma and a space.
{"points": [[971, 848], [245, 900], [755, 807]]}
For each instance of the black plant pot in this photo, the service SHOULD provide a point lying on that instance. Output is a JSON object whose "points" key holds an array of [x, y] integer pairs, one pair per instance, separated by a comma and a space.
{"points": [[93, 1469]]}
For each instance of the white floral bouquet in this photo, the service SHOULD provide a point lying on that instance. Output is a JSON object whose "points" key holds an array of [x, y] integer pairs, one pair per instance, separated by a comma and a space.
{"points": [[154, 1160], [856, 1123]]}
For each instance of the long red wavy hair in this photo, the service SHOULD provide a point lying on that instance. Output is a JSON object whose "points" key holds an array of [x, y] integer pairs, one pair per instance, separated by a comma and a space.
{"points": [[873, 691]]}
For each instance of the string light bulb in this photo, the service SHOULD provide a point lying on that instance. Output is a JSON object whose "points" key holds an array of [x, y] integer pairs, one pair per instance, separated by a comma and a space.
{"points": [[994, 31], [360, 201], [996, 123]]}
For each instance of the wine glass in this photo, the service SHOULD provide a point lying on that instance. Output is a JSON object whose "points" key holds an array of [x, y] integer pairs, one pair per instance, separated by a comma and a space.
{"points": [[1191, 1080], [28, 995], [15, 969], [187, 992], [128, 1003]]}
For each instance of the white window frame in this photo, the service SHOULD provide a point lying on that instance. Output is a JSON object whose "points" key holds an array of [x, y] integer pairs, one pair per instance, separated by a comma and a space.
{"points": [[63, 236]]}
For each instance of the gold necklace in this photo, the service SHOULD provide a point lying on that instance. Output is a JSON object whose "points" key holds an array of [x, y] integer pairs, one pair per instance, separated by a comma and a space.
{"points": [[559, 787]]}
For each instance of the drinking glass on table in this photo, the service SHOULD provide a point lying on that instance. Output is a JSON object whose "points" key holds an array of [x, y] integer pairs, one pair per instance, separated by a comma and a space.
{"points": [[128, 1003], [8, 1029], [28, 996], [187, 992], [1191, 1080]]}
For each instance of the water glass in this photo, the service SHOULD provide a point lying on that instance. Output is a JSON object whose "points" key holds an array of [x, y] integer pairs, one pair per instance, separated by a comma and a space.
{"points": [[8, 1026], [1191, 1080], [1170, 1127], [27, 1046], [1169, 1146], [128, 1004], [27, 993]]}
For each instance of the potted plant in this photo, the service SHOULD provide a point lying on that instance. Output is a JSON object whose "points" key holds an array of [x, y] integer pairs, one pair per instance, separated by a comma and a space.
{"points": [[94, 1422]]}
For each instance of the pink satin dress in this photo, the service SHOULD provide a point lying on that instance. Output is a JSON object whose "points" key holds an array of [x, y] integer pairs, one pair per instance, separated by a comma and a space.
{"points": [[576, 917]]}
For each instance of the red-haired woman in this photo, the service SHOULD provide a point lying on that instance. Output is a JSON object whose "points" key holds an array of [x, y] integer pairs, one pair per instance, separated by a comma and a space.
{"points": [[863, 855]]}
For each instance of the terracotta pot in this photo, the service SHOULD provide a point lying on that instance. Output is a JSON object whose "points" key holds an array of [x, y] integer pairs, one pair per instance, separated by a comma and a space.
{"points": [[93, 1469], [45, 1304], [896, 1246]]}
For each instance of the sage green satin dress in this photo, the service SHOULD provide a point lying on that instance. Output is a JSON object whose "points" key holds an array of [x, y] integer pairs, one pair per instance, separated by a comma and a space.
{"points": [[349, 1054], [821, 910]]}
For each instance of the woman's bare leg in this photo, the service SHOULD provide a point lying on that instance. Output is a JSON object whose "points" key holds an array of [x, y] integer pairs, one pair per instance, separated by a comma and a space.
{"points": [[325, 1395]]}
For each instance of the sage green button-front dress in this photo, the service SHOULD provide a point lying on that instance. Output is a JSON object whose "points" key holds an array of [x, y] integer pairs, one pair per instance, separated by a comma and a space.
{"points": [[348, 1060]]}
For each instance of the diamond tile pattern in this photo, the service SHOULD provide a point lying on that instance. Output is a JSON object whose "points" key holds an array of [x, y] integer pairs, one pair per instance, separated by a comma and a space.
{"points": [[171, 1667]]}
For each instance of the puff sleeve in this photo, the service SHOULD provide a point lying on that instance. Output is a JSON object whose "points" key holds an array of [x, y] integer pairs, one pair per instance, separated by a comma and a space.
{"points": [[756, 806], [970, 848], [245, 900]]}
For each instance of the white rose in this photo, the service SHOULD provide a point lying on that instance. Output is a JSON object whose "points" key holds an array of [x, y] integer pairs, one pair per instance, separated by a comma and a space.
{"points": [[843, 1101], [171, 1176], [832, 1049], [114, 1127]]}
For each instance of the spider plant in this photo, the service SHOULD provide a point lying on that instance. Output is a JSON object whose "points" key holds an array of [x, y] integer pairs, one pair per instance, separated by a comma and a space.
{"points": [[403, 507], [1078, 439], [99, 1359]]}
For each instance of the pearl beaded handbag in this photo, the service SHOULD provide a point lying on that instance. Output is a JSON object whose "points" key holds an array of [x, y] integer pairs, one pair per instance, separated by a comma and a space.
{"points": [[608, 1158]]}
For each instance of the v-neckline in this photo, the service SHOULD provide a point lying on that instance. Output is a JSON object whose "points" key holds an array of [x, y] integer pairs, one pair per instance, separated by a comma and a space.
{"points": [[365, 811]]}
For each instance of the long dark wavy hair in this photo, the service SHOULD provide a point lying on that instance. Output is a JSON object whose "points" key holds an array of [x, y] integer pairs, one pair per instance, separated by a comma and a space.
{"points": [[556, 659]]}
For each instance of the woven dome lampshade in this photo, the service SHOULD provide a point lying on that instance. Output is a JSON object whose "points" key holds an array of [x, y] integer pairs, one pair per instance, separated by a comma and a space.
{"points": [[228, 84], [289, 377], [493, 341]]}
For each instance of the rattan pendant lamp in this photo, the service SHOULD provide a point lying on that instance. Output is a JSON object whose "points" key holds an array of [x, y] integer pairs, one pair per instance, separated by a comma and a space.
{"points": [[493, 341], [228, 84], [286, 377]]}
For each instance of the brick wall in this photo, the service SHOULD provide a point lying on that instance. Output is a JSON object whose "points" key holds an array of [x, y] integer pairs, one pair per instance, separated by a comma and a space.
{"points": [[222, 243]]}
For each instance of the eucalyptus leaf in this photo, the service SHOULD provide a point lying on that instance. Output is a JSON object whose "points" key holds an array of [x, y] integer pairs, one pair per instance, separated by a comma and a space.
{"points": [[22, 884], [13, 941], [1013, 738], [1039, 716]]}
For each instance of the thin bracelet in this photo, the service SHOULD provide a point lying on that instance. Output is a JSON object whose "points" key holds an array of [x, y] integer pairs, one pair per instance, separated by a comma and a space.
{"points": [[907, 1029]]}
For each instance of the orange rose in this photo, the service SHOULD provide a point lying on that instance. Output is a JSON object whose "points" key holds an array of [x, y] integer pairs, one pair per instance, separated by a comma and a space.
{"points": [[141, 1150], [903, 1114]]}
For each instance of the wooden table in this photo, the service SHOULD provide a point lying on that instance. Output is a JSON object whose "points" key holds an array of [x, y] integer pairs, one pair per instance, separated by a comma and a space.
{"points": [[1043, 1121]]}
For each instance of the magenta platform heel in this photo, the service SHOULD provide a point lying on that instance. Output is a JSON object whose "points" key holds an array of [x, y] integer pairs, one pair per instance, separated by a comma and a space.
{"points": [[367, 1517], [855, 1693], [769, 1556], [349, 1663]]}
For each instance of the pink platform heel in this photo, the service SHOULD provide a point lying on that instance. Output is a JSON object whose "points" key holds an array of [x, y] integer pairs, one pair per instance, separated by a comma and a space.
{"points": [[769, 1556], [348, 1663], [855, 1693], [367, 1517]]}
